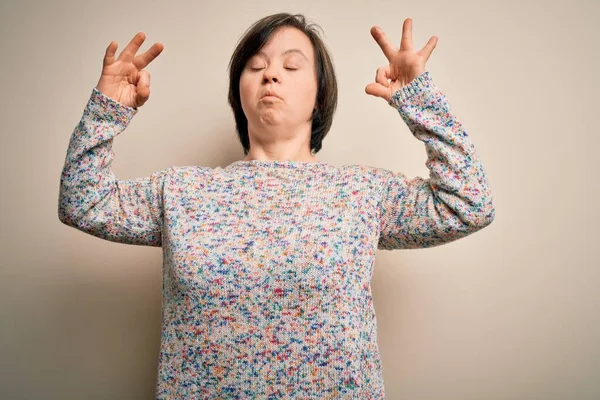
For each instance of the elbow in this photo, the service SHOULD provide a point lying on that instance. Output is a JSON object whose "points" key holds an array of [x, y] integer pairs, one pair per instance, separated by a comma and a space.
{"points": [[66, 214], [64, 217], [70, 208], [62, 214], [482, 218]]}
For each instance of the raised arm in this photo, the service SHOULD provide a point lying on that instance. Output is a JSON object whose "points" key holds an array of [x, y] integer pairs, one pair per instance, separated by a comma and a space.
{"points": [[456, 199], [91, 198]]}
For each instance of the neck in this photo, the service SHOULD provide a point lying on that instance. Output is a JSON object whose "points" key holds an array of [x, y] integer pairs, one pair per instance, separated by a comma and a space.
{"points": [[277, 146]]}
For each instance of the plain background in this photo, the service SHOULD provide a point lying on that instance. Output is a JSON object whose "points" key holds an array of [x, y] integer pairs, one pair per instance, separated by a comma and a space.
{"points": [[510, 312]]}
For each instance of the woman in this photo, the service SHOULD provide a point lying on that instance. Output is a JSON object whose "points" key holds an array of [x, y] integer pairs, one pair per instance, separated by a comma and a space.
{"points": [[267, 262]]}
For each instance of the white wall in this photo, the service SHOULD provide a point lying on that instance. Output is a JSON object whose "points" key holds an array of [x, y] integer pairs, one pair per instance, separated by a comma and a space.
{"points": [[510, 312]]}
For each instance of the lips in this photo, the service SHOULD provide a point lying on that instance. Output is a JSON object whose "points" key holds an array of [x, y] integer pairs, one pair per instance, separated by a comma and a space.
{"points": [[270, 93]]}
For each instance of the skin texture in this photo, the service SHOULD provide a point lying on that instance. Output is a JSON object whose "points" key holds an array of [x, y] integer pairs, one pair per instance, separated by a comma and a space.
{"points": [[279, 128], [124, 79], [405, 64]]}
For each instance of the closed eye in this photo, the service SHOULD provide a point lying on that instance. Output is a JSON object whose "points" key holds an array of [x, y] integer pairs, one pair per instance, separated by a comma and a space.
{"points": [[258, 69]]}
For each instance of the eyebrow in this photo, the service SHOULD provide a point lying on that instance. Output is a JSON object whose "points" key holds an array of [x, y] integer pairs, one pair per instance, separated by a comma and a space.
{"points": [[262, 53]]}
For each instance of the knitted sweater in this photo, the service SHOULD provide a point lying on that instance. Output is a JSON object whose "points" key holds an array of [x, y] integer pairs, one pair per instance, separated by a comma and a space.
{"points": [[267, 264]]}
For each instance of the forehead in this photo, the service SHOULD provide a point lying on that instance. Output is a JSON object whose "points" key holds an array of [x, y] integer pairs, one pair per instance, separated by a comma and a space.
{"points": [[288, 40]]}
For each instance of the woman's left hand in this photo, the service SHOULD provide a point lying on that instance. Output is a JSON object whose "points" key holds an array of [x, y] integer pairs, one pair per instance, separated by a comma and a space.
{"points": [[405, 64]]}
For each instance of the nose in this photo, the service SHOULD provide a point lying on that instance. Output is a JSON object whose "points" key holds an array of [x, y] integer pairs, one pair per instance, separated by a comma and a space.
{"points": [[270, 75]]}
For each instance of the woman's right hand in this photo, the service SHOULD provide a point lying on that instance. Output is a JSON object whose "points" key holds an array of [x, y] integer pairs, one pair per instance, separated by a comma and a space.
{"points": [[124, 79]]}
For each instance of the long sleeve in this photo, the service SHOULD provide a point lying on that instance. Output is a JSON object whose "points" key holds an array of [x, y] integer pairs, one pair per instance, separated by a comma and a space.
{"points": [[456, 199], [91, 198]]}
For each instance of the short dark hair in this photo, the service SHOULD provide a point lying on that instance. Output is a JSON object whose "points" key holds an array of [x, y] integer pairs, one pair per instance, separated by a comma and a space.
{"points": [[255, 37]]}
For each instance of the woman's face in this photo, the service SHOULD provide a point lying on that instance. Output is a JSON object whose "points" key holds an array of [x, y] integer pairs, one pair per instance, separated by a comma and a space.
{"points": [[285, 66]]}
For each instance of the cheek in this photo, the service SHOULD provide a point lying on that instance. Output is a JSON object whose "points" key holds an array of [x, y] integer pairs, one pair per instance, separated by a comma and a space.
{"points": [[309, 92], [246, 90]]}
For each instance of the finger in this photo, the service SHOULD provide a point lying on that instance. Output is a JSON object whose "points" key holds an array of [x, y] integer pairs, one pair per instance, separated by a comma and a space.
{"points": [[388, 48], [148, 56], [109, 55], [382, 75], [428, 49], [143, 87], [406, 42], [378, 90], [134, 45]]}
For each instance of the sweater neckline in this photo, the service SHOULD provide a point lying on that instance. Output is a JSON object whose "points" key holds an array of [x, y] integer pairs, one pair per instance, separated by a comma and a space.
{"points": [[291, 164]]}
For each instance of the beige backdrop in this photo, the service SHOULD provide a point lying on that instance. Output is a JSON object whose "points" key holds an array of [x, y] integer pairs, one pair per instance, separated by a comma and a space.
{"points": [[510, 312]]}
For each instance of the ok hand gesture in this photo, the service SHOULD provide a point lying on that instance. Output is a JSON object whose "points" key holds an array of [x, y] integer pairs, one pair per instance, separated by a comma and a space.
{"points": [[405, 64], [124, 79]]}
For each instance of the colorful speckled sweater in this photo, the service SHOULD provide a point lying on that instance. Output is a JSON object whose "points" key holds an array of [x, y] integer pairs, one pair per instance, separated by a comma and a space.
{"points": [[267, 264]]}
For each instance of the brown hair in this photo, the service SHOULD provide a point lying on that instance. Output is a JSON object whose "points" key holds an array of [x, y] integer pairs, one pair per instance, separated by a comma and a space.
{"points": [[255, 37]]}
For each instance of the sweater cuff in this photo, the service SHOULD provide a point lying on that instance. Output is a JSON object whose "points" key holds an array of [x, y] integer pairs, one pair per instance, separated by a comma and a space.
{"points": [[418, 84], [106, 109]]}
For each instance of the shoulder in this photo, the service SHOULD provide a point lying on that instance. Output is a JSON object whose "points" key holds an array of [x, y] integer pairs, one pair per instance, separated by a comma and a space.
{"points": [[191, 170], [378, 180], [369, 173], [181, 174]]}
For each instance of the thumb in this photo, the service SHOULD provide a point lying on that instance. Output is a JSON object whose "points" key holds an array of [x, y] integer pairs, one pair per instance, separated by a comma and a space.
{"points": [[378, 90], [143, 88]]}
